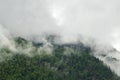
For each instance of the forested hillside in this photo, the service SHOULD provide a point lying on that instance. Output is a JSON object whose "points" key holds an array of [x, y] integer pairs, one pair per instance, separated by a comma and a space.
{"points": [[65, 62]]}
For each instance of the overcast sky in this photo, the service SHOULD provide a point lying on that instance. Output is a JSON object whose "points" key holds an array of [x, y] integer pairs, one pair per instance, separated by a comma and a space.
{"points": [[94, 18]]}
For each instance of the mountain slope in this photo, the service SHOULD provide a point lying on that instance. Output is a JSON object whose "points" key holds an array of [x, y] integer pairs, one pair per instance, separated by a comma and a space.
{"points": [[65, 62]]}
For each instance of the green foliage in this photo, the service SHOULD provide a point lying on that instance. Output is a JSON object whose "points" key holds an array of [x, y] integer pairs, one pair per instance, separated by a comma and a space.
{"points": [[20, 41], [76, 64]]}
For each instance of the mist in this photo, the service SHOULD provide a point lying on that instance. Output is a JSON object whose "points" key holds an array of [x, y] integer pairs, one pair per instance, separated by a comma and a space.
{"points": [[71, 19]]}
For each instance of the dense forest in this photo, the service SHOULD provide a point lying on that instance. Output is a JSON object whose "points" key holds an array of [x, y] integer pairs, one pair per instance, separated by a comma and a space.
{"points": [[65, 62]]}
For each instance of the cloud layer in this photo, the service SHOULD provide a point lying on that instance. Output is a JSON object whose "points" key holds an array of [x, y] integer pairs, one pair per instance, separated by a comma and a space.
{"points": [[93, 18]]}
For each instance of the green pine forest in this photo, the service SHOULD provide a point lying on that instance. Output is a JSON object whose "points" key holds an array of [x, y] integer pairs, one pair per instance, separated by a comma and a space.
{"points": [[65, 62]]}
